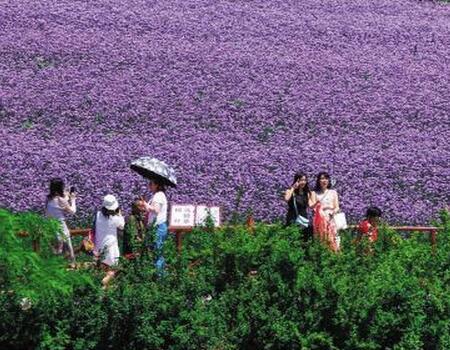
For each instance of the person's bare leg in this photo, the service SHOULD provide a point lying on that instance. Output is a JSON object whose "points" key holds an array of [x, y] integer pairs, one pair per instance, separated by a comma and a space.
{"points": [[72, 263], [58, 247], [108, 277]]}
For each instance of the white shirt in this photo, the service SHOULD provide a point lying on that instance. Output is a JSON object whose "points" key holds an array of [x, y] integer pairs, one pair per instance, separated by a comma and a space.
{"points": [[106, 230], [327, 199], [159, 199], [58, 207]]}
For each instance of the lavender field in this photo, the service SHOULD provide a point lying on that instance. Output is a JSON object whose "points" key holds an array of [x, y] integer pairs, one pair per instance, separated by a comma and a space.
{"points": [[236, 95]]}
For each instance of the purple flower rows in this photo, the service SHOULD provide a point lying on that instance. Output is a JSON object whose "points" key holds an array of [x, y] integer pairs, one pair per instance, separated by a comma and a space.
{"points": [[236, 95]]}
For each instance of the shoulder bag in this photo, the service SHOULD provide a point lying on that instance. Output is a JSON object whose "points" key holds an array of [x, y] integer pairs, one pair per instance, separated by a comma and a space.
{"points": [[340, 221], [299, 219]]}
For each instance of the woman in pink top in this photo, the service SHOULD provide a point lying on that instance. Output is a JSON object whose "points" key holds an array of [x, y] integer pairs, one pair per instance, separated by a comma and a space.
{"points": [[326, 204]]}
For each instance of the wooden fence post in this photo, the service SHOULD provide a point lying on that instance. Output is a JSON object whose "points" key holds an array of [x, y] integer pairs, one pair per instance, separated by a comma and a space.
{"points": [[178, 240], [36, 245], [433, 239], [250, 223]]}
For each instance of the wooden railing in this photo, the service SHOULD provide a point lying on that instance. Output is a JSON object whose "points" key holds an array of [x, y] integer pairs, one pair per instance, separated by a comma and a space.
{"points": [[433, 231], [80, 231], [179, 232]]}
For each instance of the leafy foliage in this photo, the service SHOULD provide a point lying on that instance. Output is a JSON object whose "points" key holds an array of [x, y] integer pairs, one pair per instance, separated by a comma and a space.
{"points": [[33, 282], [235, 289]]}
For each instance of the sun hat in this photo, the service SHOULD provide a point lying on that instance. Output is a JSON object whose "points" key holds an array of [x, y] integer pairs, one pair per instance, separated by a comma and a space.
{"points": [[110, 202]]}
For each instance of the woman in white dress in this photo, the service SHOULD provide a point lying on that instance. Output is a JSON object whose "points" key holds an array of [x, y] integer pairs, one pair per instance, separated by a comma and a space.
{"points": [[59, 204], [326, 205], [108, 220]]}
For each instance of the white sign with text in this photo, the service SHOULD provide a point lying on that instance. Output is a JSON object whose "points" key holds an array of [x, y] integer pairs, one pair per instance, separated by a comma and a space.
{"points": [[202, 213], [188, 215], [182, 215]]}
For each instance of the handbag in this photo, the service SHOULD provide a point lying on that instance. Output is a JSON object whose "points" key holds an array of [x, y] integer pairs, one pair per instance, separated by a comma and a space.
{"points": [[89, 241], [299, 219], [340, 221]]}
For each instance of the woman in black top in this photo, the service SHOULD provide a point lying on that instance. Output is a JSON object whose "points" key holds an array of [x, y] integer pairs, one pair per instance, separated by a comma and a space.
{"points": [[300, 192]]}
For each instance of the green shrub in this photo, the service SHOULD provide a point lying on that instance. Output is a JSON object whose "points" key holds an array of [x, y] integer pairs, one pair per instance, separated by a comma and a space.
{"points": [[233, 289], [35, 287]]}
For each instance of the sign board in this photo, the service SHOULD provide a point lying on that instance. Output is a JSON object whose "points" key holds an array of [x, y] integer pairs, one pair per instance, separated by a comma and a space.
{"points": [[182, 216], [188, 215], [202, 213]]}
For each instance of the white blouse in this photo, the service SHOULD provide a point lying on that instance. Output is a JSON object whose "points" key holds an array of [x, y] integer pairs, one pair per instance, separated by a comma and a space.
{"points": [[160, 199], [106, 229], [327, 199], [58, 207], [106, 237]]}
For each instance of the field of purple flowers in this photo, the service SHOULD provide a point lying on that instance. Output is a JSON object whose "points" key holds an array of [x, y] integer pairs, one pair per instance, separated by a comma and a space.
{"points": [[236, 95]]}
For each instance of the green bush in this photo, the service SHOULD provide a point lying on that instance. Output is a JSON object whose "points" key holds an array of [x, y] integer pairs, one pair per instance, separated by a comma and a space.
{"points": [[233, 289], [36, 289]]}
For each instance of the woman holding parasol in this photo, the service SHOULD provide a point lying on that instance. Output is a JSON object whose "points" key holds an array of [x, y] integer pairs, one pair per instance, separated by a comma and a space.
{"points": [[160, 175]]}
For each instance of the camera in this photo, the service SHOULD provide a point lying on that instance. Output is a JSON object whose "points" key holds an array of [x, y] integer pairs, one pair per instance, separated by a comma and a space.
{"points": [[72, 189]]}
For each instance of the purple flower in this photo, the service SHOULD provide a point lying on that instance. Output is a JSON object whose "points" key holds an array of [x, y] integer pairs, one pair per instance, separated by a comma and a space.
{"points": [[236, 96]]}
